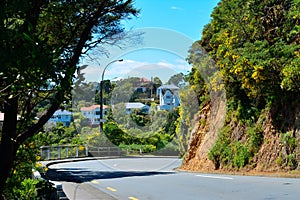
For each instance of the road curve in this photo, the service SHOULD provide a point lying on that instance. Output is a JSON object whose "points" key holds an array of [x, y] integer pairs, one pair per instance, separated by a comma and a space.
{"points": [[155, 179]]}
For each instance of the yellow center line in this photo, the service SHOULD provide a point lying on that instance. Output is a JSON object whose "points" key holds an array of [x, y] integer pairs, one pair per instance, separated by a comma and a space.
{"points": [[95, 182], [132, 198], [111, 189]]}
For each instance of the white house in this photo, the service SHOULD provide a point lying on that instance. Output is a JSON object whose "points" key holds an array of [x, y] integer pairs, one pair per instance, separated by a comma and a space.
{"points": [[93, 113], [137, 105], [63, 116], [168, 97]]}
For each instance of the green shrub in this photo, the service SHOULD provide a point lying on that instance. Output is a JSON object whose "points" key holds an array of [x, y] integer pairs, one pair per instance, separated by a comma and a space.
{"points": [[291, 161], [28, 189], [221, 152], [279, 160], [289, 141], [241, 156], [32, 189], [255, 139], [236, 154]]}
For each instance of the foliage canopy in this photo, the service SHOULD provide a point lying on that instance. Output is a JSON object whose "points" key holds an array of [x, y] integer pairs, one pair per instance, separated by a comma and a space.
{"points": [[41, 44], [256, 47]]}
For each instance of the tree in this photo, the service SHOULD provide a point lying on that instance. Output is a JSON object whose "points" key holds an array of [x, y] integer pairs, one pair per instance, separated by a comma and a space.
{"points": [[256, 47], [122, 93], [176, 79], [184, 123], [157, 82], [41, 44]]}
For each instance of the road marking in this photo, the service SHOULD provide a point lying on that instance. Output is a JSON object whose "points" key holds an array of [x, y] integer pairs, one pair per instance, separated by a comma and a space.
{"points": [[216, 177], [111, 189], [95, 182], [132, 198]]}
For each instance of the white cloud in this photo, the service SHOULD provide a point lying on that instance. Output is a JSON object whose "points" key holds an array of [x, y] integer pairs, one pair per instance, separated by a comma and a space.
{"points": [[129, 68], [165, 64], [92, 73], [181, 61], [175, 8], [123, 68]]}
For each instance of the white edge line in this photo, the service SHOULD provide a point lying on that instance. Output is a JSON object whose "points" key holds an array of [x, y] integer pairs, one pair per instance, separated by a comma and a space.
{"points": [[216, 177]]}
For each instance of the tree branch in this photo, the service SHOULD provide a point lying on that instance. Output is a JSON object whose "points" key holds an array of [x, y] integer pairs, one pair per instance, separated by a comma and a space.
{"points": [[65, 84]]}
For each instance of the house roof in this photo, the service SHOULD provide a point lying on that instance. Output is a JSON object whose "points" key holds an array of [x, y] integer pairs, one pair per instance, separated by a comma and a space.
{"points": [[93, 107], [145, 80], [171, 87], [134, 105], [116, 79], [62, 112]]}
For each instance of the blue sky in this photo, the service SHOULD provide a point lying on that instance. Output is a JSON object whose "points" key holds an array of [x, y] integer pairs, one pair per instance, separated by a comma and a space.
{"points": [[185, 16], [170, 27]]}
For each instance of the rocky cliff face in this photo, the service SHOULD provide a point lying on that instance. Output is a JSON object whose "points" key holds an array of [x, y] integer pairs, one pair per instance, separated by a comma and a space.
{"points": [[278, 152], [206, 130]]}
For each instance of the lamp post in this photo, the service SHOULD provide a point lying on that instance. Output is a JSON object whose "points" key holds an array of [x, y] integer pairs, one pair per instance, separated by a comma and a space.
{"points": [[101, 93]]}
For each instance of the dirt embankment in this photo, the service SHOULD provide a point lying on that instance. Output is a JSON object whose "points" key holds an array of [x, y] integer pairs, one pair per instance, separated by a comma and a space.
{"points": [[207, 126], [267, 160]]}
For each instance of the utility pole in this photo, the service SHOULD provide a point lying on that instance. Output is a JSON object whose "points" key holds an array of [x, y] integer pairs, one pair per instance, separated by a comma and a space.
{"points": [[101, 93]]}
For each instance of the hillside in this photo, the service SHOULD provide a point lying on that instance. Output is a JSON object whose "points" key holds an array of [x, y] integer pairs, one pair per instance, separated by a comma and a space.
{"points": [[256, 48], [204, 135], [277, 152]]}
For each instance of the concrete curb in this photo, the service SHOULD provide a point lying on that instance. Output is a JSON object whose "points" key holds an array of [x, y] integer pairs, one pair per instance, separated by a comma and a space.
{"points": [[53, 162]]}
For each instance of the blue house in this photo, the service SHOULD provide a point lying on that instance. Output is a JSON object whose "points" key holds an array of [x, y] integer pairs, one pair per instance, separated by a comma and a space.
{"points": [[137, 105], [168, 97], [63, 116]]}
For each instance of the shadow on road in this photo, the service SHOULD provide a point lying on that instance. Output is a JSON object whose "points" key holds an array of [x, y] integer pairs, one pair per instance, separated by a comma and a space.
{"points": [[79, 175]]}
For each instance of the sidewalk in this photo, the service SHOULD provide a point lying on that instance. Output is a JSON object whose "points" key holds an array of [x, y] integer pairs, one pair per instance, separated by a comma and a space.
{"points": [[84, 191]]}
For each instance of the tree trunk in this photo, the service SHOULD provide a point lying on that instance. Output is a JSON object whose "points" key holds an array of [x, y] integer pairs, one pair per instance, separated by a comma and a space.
{"points": [[8, 145]]}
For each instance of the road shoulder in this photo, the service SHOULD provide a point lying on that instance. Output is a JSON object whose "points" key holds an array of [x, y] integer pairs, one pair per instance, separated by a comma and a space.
{"points": [[83, 191]]}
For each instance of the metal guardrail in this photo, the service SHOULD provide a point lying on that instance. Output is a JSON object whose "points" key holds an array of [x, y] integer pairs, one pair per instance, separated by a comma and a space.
{"points": [[77, 151], [105, 151], [63, 152]]}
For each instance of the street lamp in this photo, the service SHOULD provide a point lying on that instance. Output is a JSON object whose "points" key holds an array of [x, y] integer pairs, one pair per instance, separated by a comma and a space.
{"points": [[101, 93]]}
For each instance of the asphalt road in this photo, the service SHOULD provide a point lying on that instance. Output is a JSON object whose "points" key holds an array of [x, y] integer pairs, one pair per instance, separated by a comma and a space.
{"points": [[155, 179]]}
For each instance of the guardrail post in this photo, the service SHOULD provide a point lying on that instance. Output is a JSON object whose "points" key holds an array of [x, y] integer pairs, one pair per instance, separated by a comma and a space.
{"points": [[76, 152], [48, 153], [86, 150], [67, 152], [58, 153]]}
